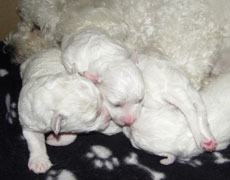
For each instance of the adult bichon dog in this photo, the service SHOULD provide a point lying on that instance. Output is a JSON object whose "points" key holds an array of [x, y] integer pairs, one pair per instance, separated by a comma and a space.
{"points": [[193, 33], [183, 30], [36, 30]]}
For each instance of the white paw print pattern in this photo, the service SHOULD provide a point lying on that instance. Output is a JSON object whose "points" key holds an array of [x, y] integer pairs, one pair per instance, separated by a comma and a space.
{"points": [[62, 174], [191, 162], [102, 157], [132, 159], [11, 109], [3, 72], [219, 158]]}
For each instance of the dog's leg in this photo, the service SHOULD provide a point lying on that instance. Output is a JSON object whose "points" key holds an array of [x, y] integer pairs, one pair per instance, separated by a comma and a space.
{"points": [[189, 102], [38, 160], [209, 142], [61, 140]]}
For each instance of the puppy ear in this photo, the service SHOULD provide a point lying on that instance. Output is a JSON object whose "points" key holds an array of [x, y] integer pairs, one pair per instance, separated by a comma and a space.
{"points": [[56, 123], [135, 57], [92, 77]]}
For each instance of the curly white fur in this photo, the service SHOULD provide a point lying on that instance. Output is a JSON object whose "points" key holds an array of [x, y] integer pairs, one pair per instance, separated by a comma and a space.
{"points": [[25, 41], [193, 33], [181, 29]]}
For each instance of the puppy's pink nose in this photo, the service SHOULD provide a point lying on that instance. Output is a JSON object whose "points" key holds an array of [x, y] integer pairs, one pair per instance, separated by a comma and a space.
{"points": [[128, 120]]}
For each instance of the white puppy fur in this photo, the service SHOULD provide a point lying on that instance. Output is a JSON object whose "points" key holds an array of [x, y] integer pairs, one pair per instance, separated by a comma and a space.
{"points": [[166, 87], [166, 133], [106, 62], [52, 100]]}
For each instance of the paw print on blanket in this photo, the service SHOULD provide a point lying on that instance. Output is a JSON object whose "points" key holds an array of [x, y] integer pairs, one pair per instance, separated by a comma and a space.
{"points": [[11, 109], [3, 72], [219, 158], [132, 159], [62, 174], [192, 162], [102, 157]]}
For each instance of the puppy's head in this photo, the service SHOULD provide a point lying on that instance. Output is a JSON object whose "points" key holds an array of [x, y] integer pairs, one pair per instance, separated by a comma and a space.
{"points": [[89, 49], [104, 61], [122, 88], [80, 107]]}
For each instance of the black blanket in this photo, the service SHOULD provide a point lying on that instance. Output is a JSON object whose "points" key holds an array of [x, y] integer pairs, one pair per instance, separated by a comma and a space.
{"points": [[92, 156]]}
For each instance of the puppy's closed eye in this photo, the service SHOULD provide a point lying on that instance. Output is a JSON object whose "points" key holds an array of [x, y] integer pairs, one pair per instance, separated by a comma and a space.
{"points": [[117, 105]]}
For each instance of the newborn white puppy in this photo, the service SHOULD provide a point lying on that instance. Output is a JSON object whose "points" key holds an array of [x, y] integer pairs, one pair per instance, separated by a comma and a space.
{"points": [[167, 87], [52, 100], [105, 61], [166, 133]]}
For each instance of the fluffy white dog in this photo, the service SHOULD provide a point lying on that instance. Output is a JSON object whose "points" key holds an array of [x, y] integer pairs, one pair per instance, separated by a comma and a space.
{"points": [[106, 62], [52, 100], [167, 89], [221, 16], [193, 33], [167, 134]]}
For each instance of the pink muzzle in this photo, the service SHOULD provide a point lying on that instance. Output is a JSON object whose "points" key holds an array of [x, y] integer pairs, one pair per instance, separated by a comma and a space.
{"points": [[128, 119]]}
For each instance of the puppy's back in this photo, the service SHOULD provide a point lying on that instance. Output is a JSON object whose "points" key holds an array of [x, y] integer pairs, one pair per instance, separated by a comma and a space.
{"points": [[46, 62]]}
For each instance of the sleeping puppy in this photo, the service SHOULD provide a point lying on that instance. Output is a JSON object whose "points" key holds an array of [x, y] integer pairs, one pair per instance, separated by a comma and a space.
{"points": [[105, 61], [52, 100], [168, 90], [167, 133]]}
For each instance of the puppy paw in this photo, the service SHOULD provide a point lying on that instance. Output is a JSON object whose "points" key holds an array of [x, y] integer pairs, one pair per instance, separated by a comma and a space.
{"points": [[39, 164], [168, 160], [209, 145], [60, 140]]}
